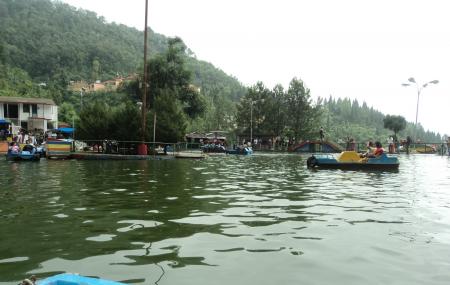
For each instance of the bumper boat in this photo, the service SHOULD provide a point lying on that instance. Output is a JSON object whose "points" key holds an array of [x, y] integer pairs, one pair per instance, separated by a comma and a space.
{"points": [[29, 153], [352, 160], [243, 151], [73, 279]]}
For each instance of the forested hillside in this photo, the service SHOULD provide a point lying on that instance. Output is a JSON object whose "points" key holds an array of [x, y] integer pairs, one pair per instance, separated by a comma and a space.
{"points": [[48, 38], [52, 41], [344, 118]]}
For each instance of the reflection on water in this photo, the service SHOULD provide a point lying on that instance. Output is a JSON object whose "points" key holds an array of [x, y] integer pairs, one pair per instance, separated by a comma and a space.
{"points": [[264, 219]]}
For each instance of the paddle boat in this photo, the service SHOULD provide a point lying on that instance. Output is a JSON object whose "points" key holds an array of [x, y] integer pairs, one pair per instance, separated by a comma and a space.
{"points": [[28, 153], [241, 150], [74, 279], [352, 160], [426, 148]]}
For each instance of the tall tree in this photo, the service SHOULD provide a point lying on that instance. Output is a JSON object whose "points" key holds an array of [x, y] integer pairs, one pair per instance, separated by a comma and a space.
{"points": [[394, 123], [276, 113], [252, 111], [302, 117]]}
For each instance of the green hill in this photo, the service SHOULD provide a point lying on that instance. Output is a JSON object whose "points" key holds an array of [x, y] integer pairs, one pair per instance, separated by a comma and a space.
{"points": [[55, 41]]}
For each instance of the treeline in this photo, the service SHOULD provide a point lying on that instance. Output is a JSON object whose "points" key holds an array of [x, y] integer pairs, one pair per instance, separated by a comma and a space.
{"points": [[344, 118], [117, 115], [278, 113], [291, 114]]}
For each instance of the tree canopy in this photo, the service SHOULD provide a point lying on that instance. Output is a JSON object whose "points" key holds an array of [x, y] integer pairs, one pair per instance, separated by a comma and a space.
{"points": [[394, 123], [278, 113]]}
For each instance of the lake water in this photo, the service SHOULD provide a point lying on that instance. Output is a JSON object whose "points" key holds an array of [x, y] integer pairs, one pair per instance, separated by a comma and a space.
{"points": [[262, 219]]}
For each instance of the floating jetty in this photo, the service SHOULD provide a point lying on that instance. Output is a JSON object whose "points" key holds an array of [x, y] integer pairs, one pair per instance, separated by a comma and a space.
{"points": [[192, 155], [105, 156]]}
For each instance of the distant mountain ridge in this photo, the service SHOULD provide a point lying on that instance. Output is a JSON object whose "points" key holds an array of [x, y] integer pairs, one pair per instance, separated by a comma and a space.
{"points": [[53, 40]]}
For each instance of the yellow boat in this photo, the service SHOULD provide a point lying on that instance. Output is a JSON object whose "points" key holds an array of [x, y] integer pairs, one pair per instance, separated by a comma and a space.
{"points": [[426, 149]]}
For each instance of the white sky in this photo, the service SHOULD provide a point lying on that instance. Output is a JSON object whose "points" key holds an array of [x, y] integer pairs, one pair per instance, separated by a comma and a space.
{"points": [[348, 48]]}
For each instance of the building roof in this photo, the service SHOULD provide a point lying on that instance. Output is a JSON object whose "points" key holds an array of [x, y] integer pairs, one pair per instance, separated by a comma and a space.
{"points": [[214, 135], [45, 101]]}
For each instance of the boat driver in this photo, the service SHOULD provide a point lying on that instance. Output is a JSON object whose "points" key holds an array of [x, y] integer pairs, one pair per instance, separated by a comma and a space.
{"points": [[15, 148], [378, 150], [374, 153]]}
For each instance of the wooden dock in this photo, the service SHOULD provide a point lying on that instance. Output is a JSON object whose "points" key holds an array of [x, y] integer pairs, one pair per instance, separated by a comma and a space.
{"points": [[192, 155], [104, 156]]}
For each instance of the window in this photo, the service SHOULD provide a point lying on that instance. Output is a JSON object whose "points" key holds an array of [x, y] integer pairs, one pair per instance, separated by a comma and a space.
{"points": [[11, 111], [26, 108], [24, 125], [34, 109]]}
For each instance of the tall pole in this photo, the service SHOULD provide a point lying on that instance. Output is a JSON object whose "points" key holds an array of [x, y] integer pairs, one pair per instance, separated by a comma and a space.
{"points": [[144, 96], [251, 123], [417, 112], [142, 148], [154, 129]]}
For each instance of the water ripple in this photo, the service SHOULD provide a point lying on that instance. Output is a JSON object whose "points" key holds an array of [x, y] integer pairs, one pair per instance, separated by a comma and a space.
{"points": [[184, 222]]}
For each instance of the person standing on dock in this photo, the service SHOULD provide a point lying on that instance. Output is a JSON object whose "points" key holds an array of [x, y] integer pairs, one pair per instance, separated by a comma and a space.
{"points": [[407, 144], [448, 145], [321, 133], [391, 144]]}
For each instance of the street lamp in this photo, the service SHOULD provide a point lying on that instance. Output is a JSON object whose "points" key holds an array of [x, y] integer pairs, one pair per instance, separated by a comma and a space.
{"points": [[412, 82]]}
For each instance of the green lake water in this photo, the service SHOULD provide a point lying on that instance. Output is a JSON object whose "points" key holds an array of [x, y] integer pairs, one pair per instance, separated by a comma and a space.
{"points": [[262, 219]]}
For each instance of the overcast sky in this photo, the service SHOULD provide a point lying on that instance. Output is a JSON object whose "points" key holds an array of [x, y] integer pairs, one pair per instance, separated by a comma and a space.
{"points": [[347, 48]]}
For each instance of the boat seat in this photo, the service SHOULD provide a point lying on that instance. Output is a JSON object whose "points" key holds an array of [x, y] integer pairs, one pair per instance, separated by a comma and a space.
{"points": [[349, 156], [28, 148]]}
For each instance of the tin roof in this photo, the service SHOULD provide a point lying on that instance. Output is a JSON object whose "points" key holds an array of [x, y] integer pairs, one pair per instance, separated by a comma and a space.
{"points": [[23, 100], [210, 135]]}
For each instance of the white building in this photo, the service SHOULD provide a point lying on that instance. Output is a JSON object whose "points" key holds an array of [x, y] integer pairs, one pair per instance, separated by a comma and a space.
{"points": [[29, 113]]}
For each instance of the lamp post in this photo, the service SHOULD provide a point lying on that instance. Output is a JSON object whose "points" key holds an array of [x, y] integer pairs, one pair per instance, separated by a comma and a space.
{"points": [[419, 87]]}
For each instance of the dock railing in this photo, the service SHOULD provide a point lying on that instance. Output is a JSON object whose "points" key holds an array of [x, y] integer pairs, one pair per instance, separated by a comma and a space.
{"points": [[421, 148], [123, 147], [161, 148]]}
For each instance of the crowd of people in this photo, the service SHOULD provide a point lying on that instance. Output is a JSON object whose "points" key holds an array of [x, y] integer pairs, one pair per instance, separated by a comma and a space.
{"points": [[393, 145], [35, 137], [213, 145], [4, 134]]}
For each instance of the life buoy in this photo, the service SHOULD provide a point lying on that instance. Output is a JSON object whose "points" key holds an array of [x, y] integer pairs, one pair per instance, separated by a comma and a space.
{"points": [[311, 162]]}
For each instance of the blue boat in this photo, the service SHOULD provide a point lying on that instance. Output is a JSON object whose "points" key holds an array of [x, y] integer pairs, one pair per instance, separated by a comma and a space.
{"points": [[243, 151], [28, 153], [74, 279], [352, 160]]}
